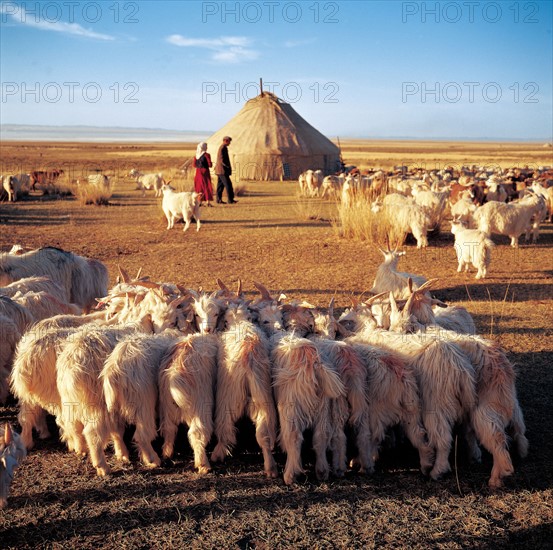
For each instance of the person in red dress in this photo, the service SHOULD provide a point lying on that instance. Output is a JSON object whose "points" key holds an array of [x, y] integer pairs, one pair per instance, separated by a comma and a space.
{"points": [[202, 179]]}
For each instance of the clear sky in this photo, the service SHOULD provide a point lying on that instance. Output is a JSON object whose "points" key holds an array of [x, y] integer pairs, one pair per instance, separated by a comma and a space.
{"points": [[351, 68]]}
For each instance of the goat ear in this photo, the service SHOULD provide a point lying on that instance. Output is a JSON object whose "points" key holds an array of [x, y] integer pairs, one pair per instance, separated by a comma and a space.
{"points": [[438, 303], [343, 331], [221, 322], [8, 435]]}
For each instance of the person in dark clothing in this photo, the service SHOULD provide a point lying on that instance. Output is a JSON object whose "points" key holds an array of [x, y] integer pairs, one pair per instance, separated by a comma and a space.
{"points": [[223, 169]]}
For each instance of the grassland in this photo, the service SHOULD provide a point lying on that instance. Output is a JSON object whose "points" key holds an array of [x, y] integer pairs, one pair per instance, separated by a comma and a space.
{"points": [[291, 246]]}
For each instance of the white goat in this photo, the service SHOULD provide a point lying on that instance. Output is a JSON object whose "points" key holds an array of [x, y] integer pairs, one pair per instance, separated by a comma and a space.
{"points": [[511, 219], [472, 247], [389, 279], [244, 386], [421, 310], [496, 405], [35, 284], [304, 384], [464, 209], [434, 203], [186, 387], [332, 185], [130, 386], [445, 379], [42, 305], [77, 373], [10, 337], [406, 216], [148, 181], [12, 453], [178, 206], [82, 278], [33, 382]]}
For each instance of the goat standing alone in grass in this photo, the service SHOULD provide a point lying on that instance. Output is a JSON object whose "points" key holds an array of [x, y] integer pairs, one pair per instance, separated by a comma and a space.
{"points": [[178, 206]]}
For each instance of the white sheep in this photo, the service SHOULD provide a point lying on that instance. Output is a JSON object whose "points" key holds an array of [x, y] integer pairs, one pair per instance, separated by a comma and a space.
{"points": [[185, 206], [472, 247]]}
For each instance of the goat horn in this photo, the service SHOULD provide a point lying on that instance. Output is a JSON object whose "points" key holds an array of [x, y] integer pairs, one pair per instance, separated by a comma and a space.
{"points": [[393, 303], [409, 304], [239, 291], [331, 307], [124, 275], [147, 284], [426, 285], [8, 436], [373, 299], [264, 292], [182, 289], [222, 286], [138, 273]]}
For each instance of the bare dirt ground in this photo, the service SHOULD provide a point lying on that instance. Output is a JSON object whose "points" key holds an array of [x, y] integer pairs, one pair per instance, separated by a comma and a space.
{"points": [[290, 245]]}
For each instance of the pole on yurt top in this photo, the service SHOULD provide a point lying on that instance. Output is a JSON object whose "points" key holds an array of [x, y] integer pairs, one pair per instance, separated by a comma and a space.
{"points": [[261, 86]]}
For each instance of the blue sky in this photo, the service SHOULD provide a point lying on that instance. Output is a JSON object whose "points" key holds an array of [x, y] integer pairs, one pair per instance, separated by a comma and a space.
{"points": [[360, 69]]}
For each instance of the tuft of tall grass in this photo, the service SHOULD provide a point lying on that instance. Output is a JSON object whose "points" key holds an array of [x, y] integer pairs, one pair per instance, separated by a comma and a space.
{"points": [[94, 194], [308, 209], [356, 220]]}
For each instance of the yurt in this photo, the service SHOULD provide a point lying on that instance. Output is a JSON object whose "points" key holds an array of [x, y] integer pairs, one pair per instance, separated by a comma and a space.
{"points": [[270, 141]]}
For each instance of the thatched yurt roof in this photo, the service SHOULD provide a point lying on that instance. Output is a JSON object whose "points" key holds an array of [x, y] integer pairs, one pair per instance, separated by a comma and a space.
{"points": [[270, 141]]}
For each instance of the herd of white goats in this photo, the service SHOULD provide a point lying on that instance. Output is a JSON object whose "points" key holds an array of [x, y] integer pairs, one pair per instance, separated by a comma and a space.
{"points": [[155, 355], [476, 201]]}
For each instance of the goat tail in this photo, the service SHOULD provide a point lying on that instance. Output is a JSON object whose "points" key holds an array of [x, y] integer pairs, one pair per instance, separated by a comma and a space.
{"points": [[111, 396], [329, 381]]}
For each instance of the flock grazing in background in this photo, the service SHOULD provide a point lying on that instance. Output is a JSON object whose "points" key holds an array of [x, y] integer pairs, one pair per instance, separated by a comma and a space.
{"points": [[156, 355], [479, 202]]}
